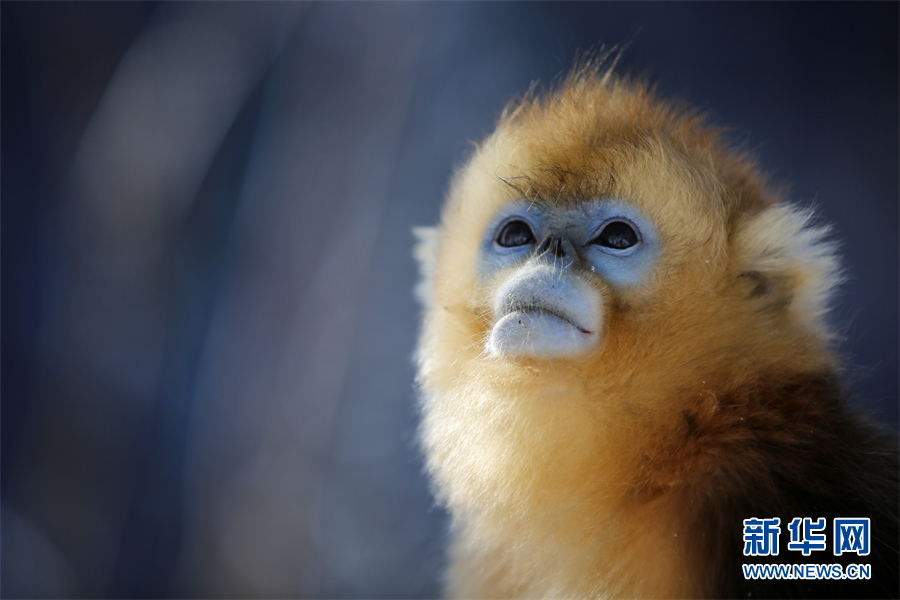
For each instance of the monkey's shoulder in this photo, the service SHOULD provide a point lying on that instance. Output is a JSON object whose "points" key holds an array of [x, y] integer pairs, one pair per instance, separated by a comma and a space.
{"points": [[805, 453]]}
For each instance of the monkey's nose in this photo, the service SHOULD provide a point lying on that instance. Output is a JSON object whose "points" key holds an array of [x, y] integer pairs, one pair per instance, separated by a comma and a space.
{"points": [[556, 246]]}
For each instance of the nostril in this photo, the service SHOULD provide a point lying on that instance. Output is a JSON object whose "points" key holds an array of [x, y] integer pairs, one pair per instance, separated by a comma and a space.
{"points": [[544, 245], [558, 249]]}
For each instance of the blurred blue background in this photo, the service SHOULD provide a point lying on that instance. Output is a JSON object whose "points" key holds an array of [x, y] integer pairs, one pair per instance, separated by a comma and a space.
{"points": [[207, 309]]}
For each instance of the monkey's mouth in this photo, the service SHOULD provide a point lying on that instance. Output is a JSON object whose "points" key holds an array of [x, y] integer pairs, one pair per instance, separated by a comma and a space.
{"points": [[538, 331]]}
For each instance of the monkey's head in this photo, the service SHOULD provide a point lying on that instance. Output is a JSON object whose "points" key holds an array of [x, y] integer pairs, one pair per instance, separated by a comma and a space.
{"points": [[605, 266]]}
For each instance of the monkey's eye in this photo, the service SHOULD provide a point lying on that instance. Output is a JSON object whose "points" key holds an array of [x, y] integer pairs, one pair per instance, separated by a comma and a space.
{"points": [[617, 235], [515, 233]]}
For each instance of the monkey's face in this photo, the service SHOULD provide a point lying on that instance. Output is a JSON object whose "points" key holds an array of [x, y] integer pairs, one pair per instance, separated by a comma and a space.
{"points": [[552, 264], [587, 276]]}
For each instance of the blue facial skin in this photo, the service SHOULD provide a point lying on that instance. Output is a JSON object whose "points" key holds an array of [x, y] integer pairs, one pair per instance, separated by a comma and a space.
{"points": [[580, 225]]}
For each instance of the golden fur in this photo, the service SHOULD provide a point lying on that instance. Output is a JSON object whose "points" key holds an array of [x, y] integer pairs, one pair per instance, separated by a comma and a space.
{"points": [[588, 477]]}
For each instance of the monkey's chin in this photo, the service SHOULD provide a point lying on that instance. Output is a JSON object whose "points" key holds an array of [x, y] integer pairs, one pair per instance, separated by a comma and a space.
{"points": [[539, 334]]}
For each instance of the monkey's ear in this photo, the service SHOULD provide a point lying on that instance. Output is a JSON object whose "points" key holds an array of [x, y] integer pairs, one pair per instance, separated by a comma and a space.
{"points": [[425, 253], [786, 260]]}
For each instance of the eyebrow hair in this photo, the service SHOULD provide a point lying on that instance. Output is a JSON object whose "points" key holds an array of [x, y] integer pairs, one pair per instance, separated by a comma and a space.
{"points": [[556, 184]]}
